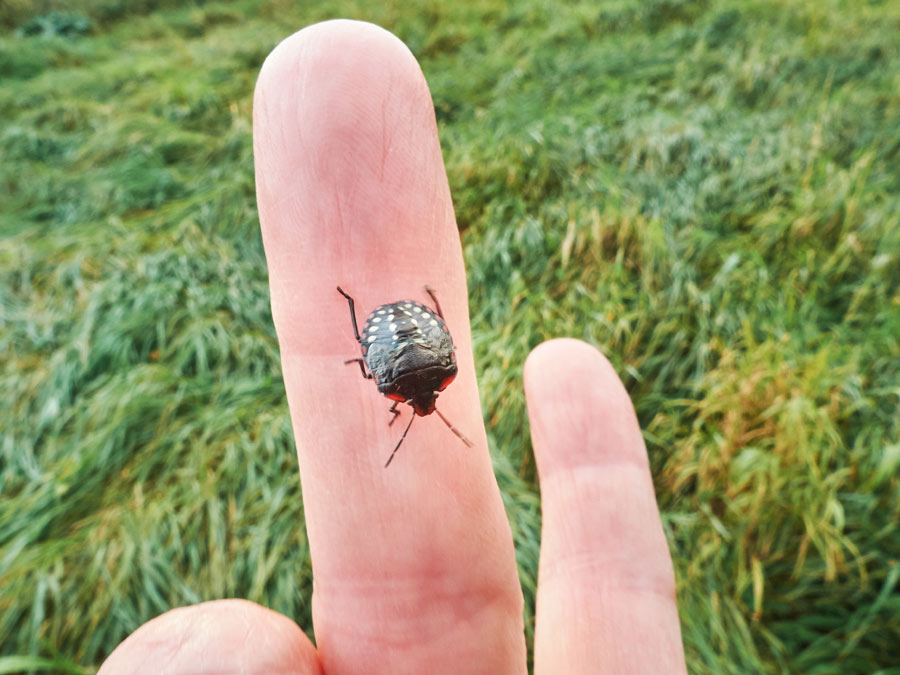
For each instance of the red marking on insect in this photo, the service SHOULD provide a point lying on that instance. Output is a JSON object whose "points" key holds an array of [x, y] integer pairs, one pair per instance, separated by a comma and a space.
{"points": [[446, 382]]}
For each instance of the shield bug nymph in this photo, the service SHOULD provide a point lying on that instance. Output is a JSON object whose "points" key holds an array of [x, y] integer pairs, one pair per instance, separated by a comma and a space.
{"points": [[409, 353]]}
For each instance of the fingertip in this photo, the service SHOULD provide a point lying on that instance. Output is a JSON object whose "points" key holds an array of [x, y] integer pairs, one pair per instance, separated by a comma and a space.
{"points": [[560, 365], [330, 52], [218, 636], [578, 407], [331, 37], [321, 97]]}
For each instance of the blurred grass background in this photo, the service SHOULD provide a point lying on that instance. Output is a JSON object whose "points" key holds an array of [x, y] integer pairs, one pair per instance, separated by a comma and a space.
{"points": [[707, 190]]}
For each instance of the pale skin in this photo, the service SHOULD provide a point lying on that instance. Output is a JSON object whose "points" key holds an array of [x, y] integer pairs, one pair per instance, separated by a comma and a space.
{"points": [[414, 567]]}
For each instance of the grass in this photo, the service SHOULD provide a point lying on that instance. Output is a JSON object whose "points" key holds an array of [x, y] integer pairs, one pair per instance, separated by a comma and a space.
{"points": [[707, 190]]}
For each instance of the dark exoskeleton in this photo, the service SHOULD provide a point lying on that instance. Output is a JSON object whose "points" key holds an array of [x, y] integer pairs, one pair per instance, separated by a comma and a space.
{"points": [[409, 353]]}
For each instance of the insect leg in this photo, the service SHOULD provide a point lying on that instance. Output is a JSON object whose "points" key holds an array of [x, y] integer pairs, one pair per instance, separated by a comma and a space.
{"points": [[395, 411], [411, 418], [437, 305], [352, 313], [454, 429], [362, 367]]}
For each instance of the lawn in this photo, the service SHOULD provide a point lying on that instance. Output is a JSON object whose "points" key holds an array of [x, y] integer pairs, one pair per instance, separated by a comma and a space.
{"points": [[707, 190]]}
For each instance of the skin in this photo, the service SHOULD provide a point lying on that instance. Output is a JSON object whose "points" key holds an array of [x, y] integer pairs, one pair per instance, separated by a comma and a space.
{"points": [[414, 566]]}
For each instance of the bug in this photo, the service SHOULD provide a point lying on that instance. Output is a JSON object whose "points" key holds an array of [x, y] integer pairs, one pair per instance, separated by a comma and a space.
{"points": [[409, 353]]}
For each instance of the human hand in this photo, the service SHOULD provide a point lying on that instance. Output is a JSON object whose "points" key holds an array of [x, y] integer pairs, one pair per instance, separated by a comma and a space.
{"points": [[414, 565]]}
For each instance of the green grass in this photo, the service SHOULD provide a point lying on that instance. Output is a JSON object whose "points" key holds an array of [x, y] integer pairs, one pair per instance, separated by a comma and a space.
{"points": [[707, 190]]}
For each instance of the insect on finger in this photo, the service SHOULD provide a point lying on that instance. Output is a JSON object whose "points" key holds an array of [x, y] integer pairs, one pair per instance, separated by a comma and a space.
{"points": [[409, 352]]}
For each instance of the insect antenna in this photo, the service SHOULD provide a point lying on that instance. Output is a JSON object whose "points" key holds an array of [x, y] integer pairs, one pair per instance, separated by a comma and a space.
{"points": [[412, 417], [454, 429]]}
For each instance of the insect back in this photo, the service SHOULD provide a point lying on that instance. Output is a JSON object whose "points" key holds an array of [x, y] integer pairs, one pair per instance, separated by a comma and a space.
{"points": [[408, 351]]}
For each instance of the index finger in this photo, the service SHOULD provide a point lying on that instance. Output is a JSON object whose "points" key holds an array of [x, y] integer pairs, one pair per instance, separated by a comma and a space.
{"points": [[413, 566]]}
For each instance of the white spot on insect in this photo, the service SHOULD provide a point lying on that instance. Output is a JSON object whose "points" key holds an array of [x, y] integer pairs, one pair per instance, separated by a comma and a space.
{"points": [[407, 313], [382, 312], [394, 336], [408, 305], [414, 322], [393, 327], [377, 319], [373, 328], [426, 315], [390, 316], [417, 309], [433, 322], [372, 338]]}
